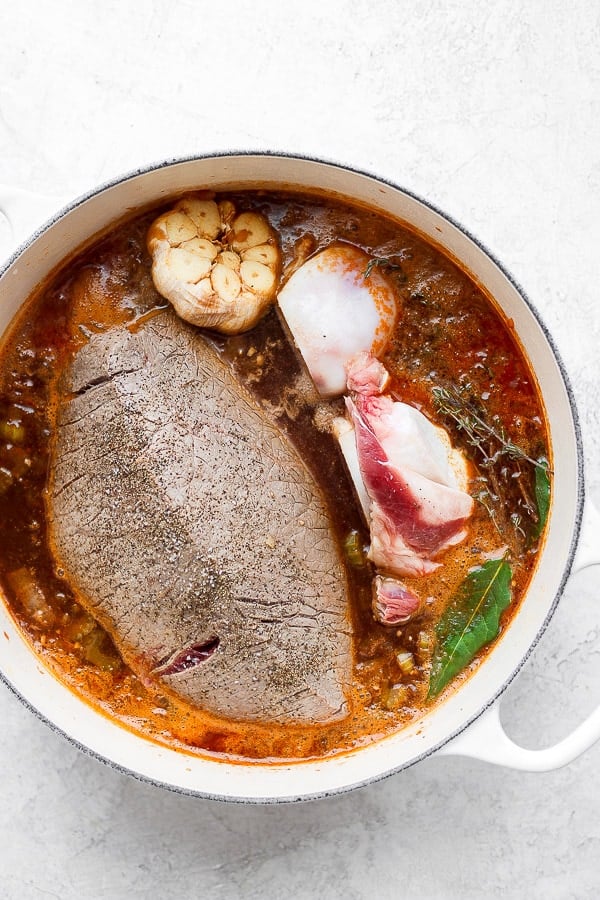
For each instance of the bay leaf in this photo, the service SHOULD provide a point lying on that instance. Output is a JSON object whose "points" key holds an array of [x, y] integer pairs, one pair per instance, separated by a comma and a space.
{"points": [[471, 620], [542, 497]]}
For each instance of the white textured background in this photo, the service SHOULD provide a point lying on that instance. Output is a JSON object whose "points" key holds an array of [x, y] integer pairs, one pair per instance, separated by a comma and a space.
{"points": [[492, 111]]}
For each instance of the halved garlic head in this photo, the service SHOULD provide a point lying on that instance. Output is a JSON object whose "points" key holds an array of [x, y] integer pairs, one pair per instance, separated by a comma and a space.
{"points": [[218, 269], [333, 312]]}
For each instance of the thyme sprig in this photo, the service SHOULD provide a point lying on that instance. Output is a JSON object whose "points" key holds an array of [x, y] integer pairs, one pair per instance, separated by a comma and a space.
{"points": [[491, 442], [485, 497], [381, 262]]}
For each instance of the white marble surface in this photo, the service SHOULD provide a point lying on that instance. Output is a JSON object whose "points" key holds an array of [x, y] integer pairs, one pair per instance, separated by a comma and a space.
{"points": [[493, 112]]}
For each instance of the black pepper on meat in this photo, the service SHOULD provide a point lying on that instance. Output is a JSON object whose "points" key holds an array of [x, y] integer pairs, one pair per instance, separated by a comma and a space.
{"points": [[182, 517]]}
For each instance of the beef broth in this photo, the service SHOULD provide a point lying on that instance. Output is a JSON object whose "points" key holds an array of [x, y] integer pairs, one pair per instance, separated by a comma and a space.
{"points": [[449, 334]]}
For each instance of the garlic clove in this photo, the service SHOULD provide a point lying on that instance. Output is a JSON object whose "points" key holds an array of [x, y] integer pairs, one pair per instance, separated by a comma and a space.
{"points": [[249, 230], [203, 290], [201, 247], [187, 266], [257, 277], [227, 213], [267, 254], [230, 259], [225, 281], [204, 214], [179, 228]]}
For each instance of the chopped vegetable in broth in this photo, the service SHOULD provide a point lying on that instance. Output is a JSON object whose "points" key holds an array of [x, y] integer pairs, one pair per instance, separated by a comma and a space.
{"points": [[404, 393]]}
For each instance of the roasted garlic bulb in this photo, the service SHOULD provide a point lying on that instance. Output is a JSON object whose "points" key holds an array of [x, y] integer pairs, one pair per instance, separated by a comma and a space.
{"points": [[218, 269]]}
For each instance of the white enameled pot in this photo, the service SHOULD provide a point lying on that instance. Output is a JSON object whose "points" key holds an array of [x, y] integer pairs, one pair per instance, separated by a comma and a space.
{"points": [[468, 722]]}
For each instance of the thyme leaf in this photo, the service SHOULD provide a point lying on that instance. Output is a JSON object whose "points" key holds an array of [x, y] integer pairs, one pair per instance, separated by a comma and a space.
{"points": [[381, 262], [484, 497]]}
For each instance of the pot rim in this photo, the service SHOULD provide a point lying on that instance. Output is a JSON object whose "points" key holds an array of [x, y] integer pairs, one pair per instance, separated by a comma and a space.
{"points": [[371, 779]]}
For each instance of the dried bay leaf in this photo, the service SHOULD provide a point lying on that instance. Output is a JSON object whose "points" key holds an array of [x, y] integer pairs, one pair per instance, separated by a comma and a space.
{"points": [[471, 620]]}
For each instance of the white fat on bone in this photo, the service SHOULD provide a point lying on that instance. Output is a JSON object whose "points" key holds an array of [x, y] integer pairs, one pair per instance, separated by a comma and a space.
{"points": [[411, 483], [411, 440], [218, 270], [332, 312], [343, 430]]}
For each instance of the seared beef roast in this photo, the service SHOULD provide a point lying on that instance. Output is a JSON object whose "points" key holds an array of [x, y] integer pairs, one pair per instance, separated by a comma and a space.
{"points": [[192, 529]]}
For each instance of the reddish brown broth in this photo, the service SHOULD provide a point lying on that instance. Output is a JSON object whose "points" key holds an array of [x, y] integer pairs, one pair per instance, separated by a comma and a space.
{"points": [[449, 332]]}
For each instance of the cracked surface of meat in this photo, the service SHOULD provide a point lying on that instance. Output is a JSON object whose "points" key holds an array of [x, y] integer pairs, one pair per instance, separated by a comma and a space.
{"points": [[180, 514]]}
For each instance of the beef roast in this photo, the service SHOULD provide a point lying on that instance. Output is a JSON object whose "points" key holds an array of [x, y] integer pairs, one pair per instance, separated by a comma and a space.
{"points": [[190, 527]]}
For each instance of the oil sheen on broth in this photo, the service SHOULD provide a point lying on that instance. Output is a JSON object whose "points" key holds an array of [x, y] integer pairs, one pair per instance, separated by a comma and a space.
{"points": [[452, 356]]}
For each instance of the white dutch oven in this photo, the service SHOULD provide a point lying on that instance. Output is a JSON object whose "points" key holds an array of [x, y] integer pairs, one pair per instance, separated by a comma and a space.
{"points": [[468, 722]]}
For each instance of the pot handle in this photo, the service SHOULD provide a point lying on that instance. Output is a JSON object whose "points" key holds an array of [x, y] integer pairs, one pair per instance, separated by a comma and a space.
{"points": [[24, 211], [486, 739]]}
